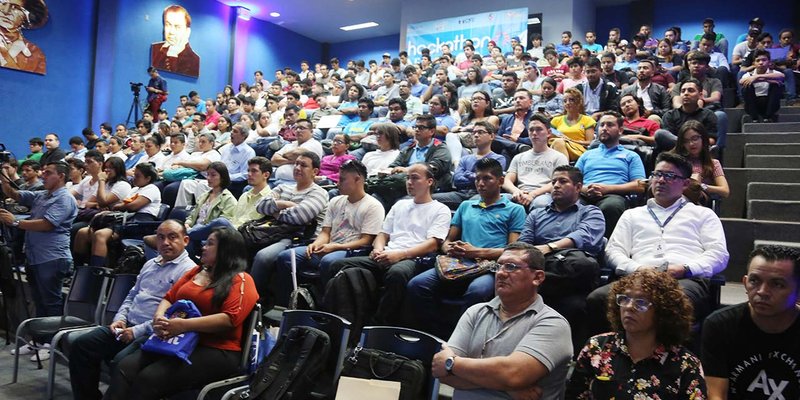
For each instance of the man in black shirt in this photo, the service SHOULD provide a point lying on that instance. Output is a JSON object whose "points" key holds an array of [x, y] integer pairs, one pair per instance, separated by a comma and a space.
{"points": [[750, 350]]}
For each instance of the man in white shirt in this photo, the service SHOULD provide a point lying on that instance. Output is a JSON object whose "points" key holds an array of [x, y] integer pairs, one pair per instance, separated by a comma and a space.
{"points": [[669, 234], [413, 228], [177, 143], [285, 157]]}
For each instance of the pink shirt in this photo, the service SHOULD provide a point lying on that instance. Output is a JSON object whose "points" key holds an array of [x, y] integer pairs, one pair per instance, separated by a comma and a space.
{"points": [[329, 166]]}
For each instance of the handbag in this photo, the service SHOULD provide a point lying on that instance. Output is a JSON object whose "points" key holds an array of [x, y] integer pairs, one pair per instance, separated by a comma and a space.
{"points": [[378, 364], [179, 174], [108, 219], [182, 345], [569, 271], [266, 231], [456, 269]]}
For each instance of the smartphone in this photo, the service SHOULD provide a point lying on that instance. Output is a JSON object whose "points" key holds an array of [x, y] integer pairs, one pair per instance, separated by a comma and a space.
{"points": [[541, 109]]}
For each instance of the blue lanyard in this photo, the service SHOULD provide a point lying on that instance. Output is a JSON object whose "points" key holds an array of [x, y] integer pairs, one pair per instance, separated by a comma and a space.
{"points": [[658, 221]]}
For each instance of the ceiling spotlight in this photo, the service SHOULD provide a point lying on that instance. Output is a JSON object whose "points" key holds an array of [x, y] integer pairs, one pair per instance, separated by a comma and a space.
{"points": [[275, 14], [358, 26]]}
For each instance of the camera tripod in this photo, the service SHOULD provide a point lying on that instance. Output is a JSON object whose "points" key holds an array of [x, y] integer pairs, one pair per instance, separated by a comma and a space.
{"points": [[134, 109]]}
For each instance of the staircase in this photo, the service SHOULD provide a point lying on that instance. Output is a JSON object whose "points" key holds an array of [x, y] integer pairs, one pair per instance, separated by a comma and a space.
{"points": [[762, 165]]}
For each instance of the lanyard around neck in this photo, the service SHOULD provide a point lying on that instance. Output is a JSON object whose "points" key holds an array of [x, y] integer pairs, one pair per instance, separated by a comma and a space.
{"points": [[658, 221]]}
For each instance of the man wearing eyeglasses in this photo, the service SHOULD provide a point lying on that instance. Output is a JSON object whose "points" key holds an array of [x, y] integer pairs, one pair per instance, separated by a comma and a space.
{"points": [[426, 149], [750, 350], [514, 346], [670, 234]]}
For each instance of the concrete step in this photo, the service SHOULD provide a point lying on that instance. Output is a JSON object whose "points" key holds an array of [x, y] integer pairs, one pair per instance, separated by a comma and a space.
{"points": [[771, 127], [735, 205], [761, 243], [790, 110], [772, 161], [773, 191], [734, 152], [788, 117], [741, 235], [774, 210], [777, 149]]}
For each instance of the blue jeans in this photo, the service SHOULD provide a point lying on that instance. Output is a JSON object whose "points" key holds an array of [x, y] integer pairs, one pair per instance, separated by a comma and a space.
{"points": [[263, 269], [200, 232], [46, 280], [283, 269], [426, 290]]}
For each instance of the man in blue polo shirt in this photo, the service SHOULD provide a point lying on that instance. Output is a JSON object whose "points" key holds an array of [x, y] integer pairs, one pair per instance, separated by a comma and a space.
{"points": [[479, 230], [610, 171]]}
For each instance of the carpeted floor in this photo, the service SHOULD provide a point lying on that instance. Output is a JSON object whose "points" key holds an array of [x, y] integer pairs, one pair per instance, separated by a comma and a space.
{"points": [[32, 382]]}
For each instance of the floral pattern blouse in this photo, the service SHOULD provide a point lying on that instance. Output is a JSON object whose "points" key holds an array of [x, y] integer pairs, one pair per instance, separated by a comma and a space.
{"points": [[604, 370]]}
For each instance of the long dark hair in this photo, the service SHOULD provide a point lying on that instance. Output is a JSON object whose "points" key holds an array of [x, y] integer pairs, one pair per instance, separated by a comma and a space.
{"points": [[230, 261], [705, 153], [487, 112], [118, 166]]}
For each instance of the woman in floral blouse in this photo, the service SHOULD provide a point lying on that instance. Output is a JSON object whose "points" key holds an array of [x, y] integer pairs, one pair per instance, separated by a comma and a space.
{"points": [[644, 357]]}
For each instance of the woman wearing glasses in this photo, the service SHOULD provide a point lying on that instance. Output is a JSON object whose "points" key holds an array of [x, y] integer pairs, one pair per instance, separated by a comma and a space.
{"points": [[644, 356], [693, 143]]}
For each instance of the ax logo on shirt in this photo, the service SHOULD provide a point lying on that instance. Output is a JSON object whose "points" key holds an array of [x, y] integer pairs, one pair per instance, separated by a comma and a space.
{"points": [[768, 386]]}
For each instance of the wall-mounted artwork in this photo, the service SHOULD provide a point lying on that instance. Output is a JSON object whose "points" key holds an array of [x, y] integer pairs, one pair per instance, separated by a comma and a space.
{"points": [[175, 54], [16, 52]]}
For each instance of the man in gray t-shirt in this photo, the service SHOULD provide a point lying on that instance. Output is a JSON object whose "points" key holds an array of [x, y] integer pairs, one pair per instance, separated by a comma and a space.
{"points": [[513, 346]]}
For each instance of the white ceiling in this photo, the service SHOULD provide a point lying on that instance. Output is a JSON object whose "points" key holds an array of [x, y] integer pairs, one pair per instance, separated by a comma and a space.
{"points": [[320, 19]]}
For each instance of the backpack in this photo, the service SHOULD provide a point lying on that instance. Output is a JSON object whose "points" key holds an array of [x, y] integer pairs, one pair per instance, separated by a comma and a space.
{"points": [[353, 295], [301, 299], [130, 261], [292, 367]]}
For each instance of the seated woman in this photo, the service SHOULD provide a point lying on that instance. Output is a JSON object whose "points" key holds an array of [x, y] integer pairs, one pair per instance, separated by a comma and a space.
{"points": [[144, 201], [329, 165], [388, 136], [214, 208], [693, 143], [551, 103], [225, 296], [576, 128], [480, 109], [116, 148], [473, 83], [644, 357], [224, 126]]}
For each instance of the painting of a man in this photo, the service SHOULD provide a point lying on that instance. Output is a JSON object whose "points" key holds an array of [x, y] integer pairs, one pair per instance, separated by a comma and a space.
{"points": [[15, 51], [175, 54]]}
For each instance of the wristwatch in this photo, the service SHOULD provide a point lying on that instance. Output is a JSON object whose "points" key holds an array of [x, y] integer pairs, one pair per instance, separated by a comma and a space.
{"points": [[449, 363], [15, 224], [552, 247]]}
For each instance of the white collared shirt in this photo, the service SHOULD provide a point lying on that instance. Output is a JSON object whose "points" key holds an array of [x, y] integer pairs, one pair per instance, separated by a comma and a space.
{"points": [[693, 237]]}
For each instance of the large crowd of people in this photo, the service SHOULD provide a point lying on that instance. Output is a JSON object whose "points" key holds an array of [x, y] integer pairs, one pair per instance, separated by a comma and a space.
{"points": [[549, 164]]}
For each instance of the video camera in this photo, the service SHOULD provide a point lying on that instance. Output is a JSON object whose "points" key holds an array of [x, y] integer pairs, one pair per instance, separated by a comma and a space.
{"points": [[5, 156], [136, 87]]}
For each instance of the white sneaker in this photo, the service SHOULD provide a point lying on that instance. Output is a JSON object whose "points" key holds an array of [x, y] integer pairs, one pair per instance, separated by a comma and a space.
{"points": [[24, 349], [44, 353]]}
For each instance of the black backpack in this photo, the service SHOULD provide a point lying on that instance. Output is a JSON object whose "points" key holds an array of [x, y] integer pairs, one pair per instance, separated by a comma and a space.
{"points": [[130, 261], [293, 367], [353, 295]]}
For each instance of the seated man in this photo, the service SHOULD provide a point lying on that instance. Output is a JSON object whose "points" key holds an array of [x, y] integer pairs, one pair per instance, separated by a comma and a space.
{"points": [[691, 92], [619, 78], [655, 97], [762, 89], [427, 150], [711, 94], [566, 224], [503, 100], [631, 108], [750, 350], [671, 234], [132, 323], [610, 171], [718, 63], [413, 228], [513, 129], [300, 203], [464, 177], [78, 148], [182, 193], [388, 91], [523, 342], [479, 230], [528, 177], [352, 220], [598, 95], [285, 158], [30, 176]]}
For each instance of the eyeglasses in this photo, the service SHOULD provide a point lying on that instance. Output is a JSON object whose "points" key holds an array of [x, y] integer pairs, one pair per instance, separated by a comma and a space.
{"points": [[506, 267], [479, 132], [640, 305], [338, 141], [421, 127], [668, 176]]}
